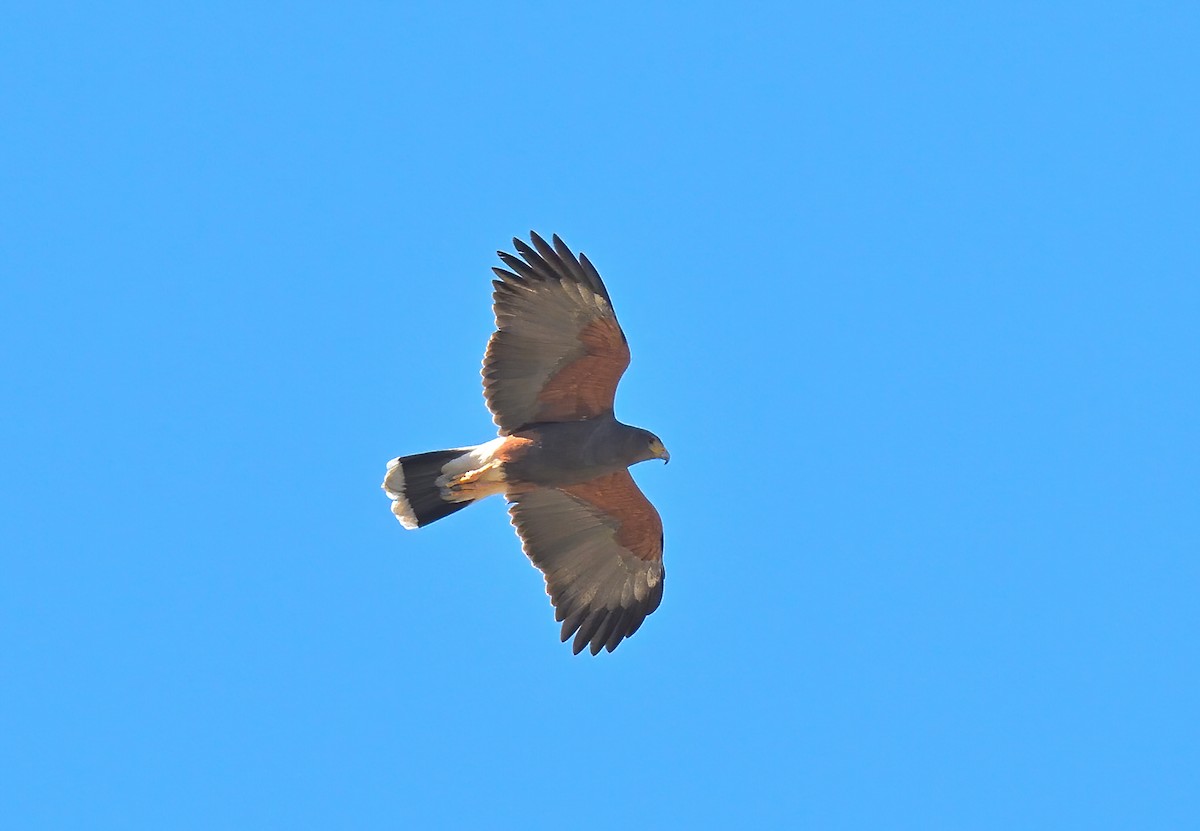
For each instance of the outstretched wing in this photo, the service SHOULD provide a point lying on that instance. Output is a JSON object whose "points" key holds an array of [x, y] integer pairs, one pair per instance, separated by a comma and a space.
{"points": [[558, 351], [599, 545]]}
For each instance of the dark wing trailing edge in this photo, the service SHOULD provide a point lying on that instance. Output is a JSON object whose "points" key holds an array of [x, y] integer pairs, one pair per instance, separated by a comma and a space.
{"points": [[599, 545], [558, 351]]}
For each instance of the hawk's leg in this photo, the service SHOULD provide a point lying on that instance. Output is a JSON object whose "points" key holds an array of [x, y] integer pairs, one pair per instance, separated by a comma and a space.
{"points": [[474, 484]]}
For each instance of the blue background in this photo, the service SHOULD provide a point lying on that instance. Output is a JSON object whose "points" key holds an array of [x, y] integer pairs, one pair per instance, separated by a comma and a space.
{"points": [[912, 294]]}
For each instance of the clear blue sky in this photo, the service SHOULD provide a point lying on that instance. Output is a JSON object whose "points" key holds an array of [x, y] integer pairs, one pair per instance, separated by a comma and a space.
{"points": [[913, 297]]}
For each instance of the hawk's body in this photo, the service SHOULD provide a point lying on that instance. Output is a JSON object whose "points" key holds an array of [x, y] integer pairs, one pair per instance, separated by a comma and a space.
{"points": [[562, 458], [566, 453]]}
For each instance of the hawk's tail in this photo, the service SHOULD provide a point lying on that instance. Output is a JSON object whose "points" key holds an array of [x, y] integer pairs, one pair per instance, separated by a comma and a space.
{"points": [[412, 485]]}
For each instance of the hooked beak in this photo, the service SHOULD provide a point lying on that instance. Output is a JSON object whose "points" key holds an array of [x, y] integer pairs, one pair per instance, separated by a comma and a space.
{"points": [[665, 456]]}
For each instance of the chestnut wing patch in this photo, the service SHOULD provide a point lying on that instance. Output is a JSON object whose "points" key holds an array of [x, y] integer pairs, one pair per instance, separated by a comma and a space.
{"points": [[558, 351], [599, 546]]}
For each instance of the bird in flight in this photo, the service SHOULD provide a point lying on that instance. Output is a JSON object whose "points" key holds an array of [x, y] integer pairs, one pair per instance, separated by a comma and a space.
{"points": [[562, 459]]}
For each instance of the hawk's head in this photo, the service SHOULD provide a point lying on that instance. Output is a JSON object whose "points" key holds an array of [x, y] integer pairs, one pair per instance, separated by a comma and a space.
{"points": [[648, 446]]}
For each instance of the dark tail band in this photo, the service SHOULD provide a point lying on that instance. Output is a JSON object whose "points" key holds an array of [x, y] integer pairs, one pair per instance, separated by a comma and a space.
{"points": [[411, 484]]}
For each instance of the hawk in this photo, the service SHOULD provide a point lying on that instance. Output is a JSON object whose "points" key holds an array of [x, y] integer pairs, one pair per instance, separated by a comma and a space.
{"points": [[562, 459]]}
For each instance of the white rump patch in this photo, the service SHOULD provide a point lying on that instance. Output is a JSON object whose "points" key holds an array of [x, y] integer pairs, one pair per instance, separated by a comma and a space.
{"points": [[473, 459]]}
